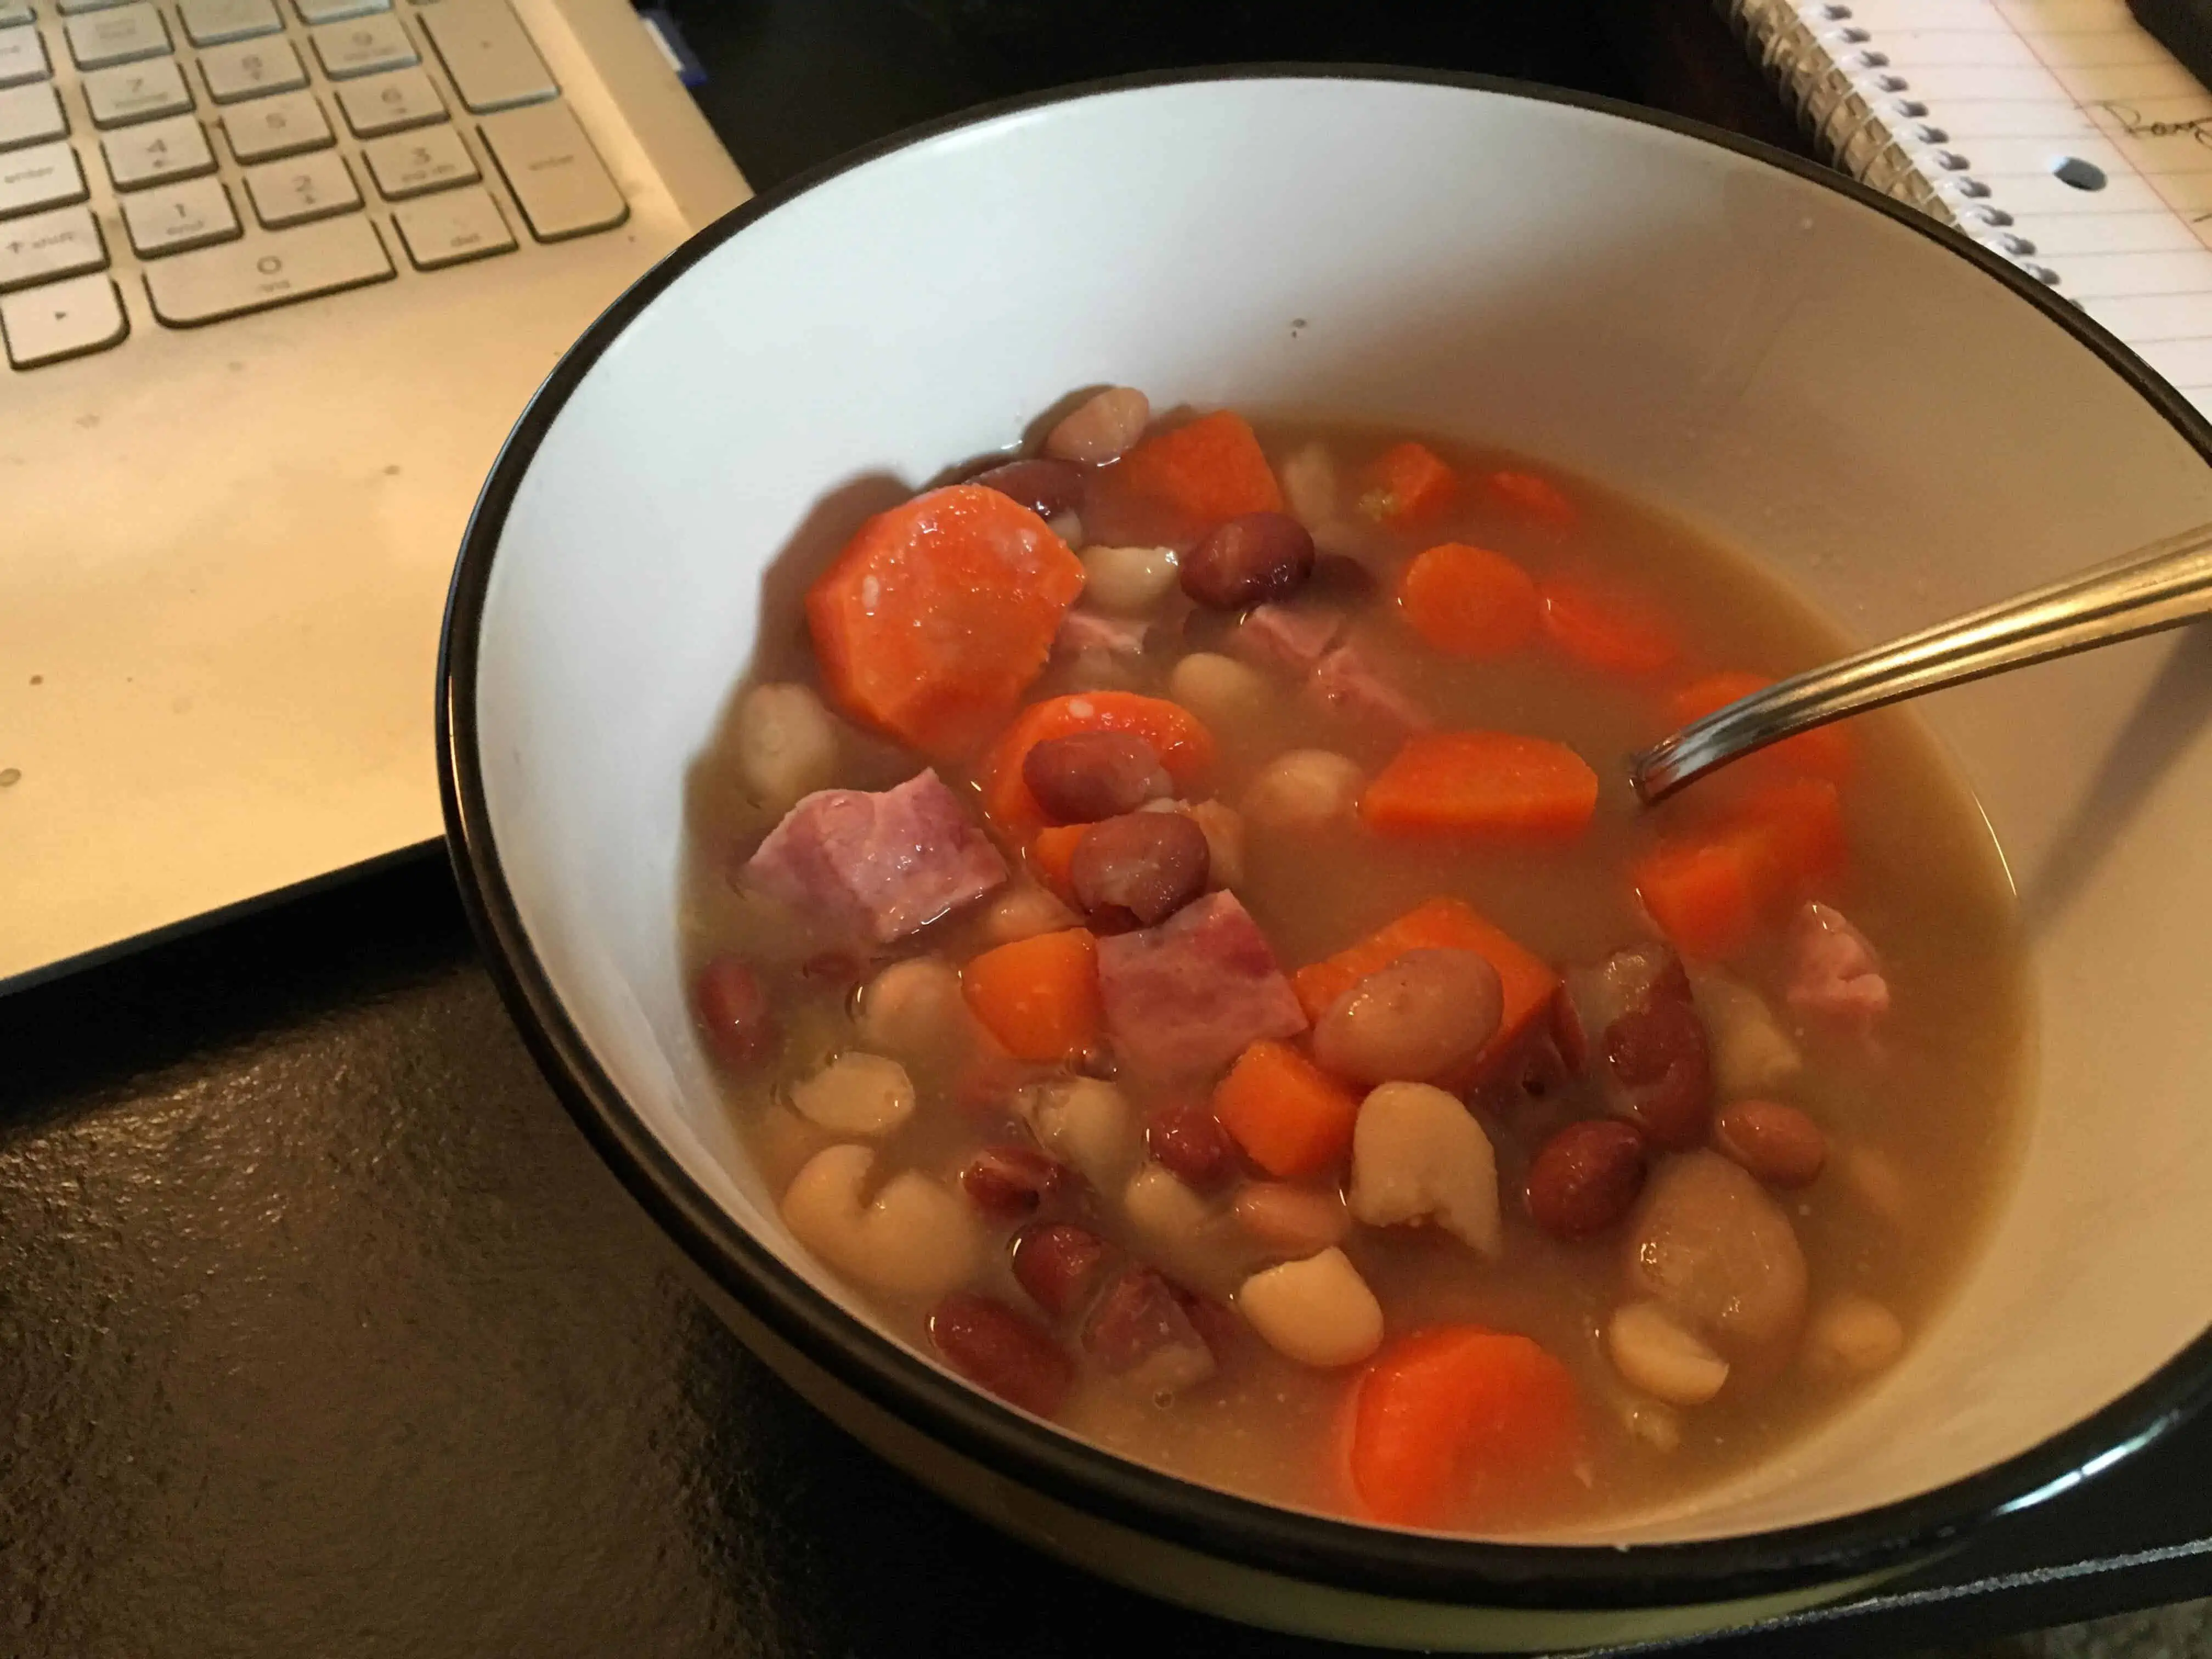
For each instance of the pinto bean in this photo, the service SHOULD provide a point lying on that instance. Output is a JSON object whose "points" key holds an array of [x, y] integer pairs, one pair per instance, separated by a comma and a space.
{"points": [[733, 1013], [1189, 1142], [1046, 488], [1001, 1351], [1058, 1264], [1143, 866], [1585, 1178], [1424, 1016], [1296, 1220], [1089, 775], [1249, 560], [1009, 1180], [1709, 1243], [1101, 429], [1778, 1143]]}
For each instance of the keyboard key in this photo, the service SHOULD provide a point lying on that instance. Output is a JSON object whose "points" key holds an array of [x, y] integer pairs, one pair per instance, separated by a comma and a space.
{"points": [[178, 217], [62, 319], [41, 176], [283, 125], [260, 271], [50, 245], [451, 229], [362, 47], [29, 115], [136, 92], [419, 162], [389, 103], [121, 36], [554, 172], [72, 7], [254, 70], [13, 12], [329, 11], [23, 57], [484, 48], [156, 152], [214, 22], [309, 187]]}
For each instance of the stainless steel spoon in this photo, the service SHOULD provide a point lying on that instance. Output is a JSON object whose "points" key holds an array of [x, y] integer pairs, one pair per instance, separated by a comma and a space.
{"points": [[2160, 585]]}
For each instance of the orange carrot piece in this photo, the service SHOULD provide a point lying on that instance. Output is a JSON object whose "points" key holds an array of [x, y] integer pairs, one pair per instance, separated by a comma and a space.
{"points": [[1039, 996], [1825, 751], [1535, 497], [1797, 826], [1052, 855], [1710, 891], [1407, 484], [1291, 1118], [1468, 600], [1603, 631], [1481, 783], [1178, 737], [937, 616], [1462, 1424], [1210, 469], [1448, 924]]}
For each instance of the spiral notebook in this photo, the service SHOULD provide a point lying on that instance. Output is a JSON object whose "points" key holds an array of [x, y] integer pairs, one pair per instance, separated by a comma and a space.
{"points": [[2057, 132]]}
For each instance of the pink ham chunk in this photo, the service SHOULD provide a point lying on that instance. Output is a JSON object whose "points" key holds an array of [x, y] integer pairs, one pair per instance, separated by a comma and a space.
{"points": [[1833, 971], [1087, 630], [1343, 683], [879, 865], [1184, 999], [1290, 637]]}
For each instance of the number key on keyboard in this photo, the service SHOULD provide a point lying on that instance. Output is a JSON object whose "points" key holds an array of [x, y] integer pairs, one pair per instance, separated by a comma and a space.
{"points": [[309, 187], [253, 69], [554, 172], [260, 271], [214, 22], [62, 319], [484, 48], [419, 162], [389, 103], [50, 245], [362, 47], [451, 229], [269, 127], [23, 57], [157, 152], [175, 217], [42, 176], [29, 115], [135, 92], [121, 36]]}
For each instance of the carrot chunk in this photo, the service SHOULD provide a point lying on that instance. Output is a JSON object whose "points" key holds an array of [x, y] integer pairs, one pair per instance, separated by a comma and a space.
{"points": [[1468, 600], [1825, 751], [1039, 996], [1291, 1118], [1179, 737], [1447, 924], [1603, 630], [1407, 484], [1710, 891], [1052, 855], [937, 616], [1208, 470], [1493, 783], [1462, 1423], [1535, 497]]}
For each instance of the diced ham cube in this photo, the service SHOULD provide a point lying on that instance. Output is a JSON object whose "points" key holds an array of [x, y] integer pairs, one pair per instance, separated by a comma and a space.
{"points": [[1343, 683], [881, 864], [1088, 630], [1833, 971], [1184, 999], [1287, 636], [1142, 1332]]}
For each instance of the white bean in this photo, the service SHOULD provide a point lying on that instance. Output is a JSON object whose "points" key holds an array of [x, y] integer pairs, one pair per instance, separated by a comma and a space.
{"points": [[1318, 1311], [1853, 1336], [1100, 428], [1087, 1125], [787, 744], [1167, 1212], [1305, 789], [1024, 912], [1655, 1352], [1129, 581], [1655, 1422], [1308, 480], [1220, 690], [1752, 1055], [1419, 1155], [1873, 1179], [1068, 526], [916, 1238], [856, 1094], [915, 1007]]}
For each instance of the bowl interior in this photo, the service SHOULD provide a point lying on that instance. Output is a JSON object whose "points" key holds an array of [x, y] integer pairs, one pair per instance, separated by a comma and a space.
{"points": [[1895, 432]]}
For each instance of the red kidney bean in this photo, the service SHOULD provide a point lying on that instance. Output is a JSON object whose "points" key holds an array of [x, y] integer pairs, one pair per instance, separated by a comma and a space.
{"points": [[1143, 1326], [1089, 775], [1143, 866], [1585, 1178], [1001, 1351], [1249, 560], [1662, 1070], [733, 1013], [1188, 1141], [1009, 1180], [1048, 489], [1347, 581], [1057, 1264], [1778, 1143]]}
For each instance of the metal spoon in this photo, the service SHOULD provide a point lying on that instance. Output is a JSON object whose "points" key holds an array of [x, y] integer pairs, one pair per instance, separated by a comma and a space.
{"points": [[2160, 585]]}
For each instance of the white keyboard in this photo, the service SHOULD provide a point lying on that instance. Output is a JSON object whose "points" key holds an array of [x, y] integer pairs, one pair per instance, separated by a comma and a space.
{"points": [[256, 153]]}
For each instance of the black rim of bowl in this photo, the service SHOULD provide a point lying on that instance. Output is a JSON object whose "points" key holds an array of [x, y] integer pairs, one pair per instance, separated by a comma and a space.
{"points": [[1342, 1554]]}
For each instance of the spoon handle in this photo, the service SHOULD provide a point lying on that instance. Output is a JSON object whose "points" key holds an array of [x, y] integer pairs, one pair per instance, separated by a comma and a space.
{"points": [[2160, 585]]}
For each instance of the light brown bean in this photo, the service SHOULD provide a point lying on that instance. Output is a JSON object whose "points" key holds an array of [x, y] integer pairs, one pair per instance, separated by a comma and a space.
{"points": [[1778, 1143], [1296, 1220], [1585, 1178], [1426, 1014]]}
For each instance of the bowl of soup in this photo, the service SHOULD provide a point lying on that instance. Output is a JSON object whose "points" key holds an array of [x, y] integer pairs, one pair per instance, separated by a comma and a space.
{"points": [[1034, 727]]}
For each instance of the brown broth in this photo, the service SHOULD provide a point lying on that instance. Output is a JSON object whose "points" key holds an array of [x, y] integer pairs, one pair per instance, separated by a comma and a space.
{"points": [[1922, 1140]]}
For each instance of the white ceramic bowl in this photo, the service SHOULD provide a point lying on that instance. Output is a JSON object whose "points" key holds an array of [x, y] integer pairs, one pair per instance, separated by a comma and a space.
{"points": [[1897, 422]]}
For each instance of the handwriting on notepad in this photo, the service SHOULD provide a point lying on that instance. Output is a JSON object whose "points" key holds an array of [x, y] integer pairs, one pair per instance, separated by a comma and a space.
{"points": [[2133, 124]]}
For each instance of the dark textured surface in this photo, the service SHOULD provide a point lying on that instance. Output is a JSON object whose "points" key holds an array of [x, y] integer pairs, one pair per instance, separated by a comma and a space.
{"points": [[323, 1332]]}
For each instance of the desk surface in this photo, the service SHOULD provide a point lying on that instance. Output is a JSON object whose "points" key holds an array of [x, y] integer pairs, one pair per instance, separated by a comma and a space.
{"points": [[326, 1332]]}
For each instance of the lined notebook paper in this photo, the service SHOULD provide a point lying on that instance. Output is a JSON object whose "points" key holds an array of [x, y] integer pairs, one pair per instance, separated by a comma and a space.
{"points": [[2057, 132]]}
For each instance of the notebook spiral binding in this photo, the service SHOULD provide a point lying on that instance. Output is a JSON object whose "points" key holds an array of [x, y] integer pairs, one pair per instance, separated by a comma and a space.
{"points": [[1862, 115]]}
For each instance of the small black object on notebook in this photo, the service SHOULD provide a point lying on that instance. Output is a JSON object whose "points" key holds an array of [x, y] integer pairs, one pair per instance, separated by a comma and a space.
{"points": [[2184, 27]]}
